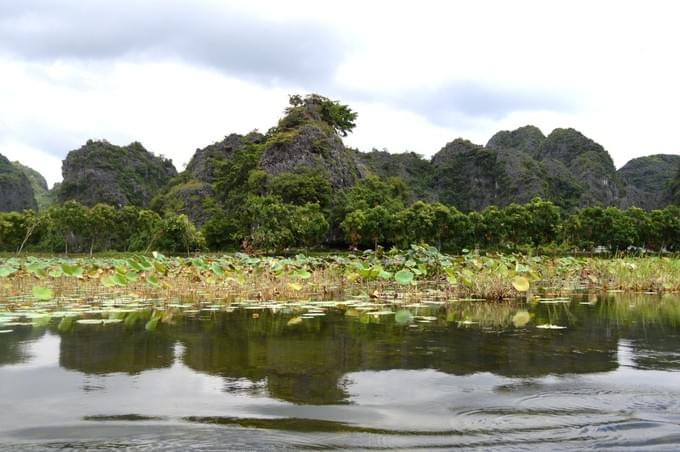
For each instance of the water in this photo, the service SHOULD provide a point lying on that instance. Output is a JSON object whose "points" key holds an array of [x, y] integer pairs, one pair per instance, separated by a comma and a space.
{"points": [[246, 380]]}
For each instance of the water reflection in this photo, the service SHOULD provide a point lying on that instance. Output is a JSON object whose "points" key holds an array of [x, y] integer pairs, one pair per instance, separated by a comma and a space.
{"points": [[466, 378], [115, 349], [308, 363]]}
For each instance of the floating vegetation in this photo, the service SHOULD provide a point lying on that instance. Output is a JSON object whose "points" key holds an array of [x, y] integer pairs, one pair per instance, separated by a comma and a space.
{"points": [[412, 287]]}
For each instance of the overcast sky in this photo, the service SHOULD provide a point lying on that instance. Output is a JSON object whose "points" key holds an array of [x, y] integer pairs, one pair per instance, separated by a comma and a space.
{"points": [[177, 75]]}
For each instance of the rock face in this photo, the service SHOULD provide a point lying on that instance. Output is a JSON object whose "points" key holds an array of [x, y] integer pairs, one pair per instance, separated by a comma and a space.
{"points": [[16, 193], [410, 167], [191, 193], [311, 148], [100, 172], [44, 197], [472, 177], [526, 139], [588, 166], [305, 141], [201, 167], [648, 180], [515, 166]]}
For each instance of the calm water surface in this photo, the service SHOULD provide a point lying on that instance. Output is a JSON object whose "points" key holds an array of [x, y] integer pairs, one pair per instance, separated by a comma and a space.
{"points": [[247, 380]]}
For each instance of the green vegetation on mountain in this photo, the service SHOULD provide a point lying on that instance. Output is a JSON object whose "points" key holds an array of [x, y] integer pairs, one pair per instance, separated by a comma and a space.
{"points": [[411, 168], [472, 177], [588, 166], [101, 172], [44, 197], [299, 186], [16, 192], [527, 139], [649, 180]]}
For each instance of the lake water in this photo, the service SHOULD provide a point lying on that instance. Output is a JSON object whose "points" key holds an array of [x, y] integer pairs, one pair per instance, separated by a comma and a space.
{"points": [[460, 376]]}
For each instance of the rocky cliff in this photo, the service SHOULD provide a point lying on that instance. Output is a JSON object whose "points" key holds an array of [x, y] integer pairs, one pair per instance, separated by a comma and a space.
{"points": [[565, 167], [648, 180], [44, 197], [527, 139], [16, 192], [101, 172], [472, 177], [573, 159], [305, 140], [192, 192]]}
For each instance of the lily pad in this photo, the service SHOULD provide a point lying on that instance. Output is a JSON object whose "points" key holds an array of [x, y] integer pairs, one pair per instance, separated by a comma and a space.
{"points": [[42, 293], [404, 277], [520, 283], [548, 326]]}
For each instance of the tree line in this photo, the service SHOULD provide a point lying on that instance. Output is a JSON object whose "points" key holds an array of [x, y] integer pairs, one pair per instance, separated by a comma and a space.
{"points": [[301, 213]]}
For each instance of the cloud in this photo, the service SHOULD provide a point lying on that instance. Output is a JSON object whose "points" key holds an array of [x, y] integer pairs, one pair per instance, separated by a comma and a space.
{"points": [[480, 99], [210, 33]]}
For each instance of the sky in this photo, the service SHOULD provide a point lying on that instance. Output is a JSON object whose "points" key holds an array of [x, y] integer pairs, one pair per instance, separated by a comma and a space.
{"points": [[178, 75]]}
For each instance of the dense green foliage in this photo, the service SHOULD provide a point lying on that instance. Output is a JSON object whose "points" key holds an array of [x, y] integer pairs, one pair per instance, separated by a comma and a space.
{"points": [[72, 227], [338, 116], [371, 214]]}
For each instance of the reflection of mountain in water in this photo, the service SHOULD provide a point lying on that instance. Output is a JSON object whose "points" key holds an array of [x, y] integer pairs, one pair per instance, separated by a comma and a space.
{"points": [[103, 350], [307, 363]]}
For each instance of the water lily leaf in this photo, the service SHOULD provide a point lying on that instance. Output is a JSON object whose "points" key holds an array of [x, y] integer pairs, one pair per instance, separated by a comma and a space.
{"points": [[56, 273], [42, 293], [119, 280], [294, 286], [89, 321], [152, 281], [217, 269], [403, 277], [301, 274], [35, 268], [520, 283], [71, 270], [382, 274], [7, 271], [548, 326]]}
